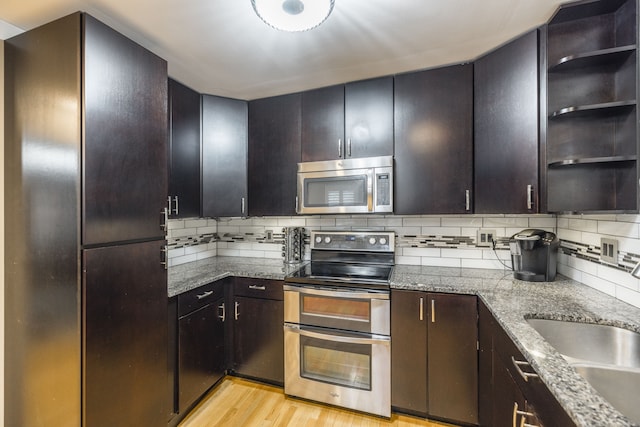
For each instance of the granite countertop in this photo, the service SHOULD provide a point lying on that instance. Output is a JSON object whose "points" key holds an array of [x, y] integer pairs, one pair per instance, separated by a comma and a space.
{"points": [[510, 301]]}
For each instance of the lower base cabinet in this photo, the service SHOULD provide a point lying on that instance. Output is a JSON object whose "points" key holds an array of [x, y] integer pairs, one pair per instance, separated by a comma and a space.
{"points": [[258, 337], [506, 398], [434, 355]]}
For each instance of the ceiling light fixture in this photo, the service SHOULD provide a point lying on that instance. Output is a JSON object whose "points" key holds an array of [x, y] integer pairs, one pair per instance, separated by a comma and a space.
{"points": [[293, 15]]}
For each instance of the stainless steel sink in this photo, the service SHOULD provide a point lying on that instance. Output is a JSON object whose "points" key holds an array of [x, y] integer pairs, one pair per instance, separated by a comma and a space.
{"points": [[590, 342], [620, 386], [607, 357]]}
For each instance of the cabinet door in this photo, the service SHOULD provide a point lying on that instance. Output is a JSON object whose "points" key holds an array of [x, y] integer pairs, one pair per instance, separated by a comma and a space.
{"points": [[184, 153], [125, 138], [368, 118], [409, 351], [323, 124], [274, 153], [506, 396], [125, 337], [224, 156], [201, 353], [453, 357], [506, 128], [259, 338], [434, 141]]}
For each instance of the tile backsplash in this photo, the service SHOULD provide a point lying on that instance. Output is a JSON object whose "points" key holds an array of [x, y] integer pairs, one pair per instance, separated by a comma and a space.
{"points": [[447, 241]]}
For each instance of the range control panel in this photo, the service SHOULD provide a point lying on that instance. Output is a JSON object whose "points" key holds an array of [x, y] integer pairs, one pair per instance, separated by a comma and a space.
{"points": [[371, 241]]}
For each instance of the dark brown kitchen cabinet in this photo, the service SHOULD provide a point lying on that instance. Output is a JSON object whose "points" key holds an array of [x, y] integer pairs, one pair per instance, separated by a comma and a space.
{"points": [[506, 128], [201, 352], [184, 151], [224, 156], [125, 138], [86, 179], [591, 107], [508, 396], [444, 328], [409, 352], [434, 141], [124, 335], [344, 121], [274, 153], [257, 308]]}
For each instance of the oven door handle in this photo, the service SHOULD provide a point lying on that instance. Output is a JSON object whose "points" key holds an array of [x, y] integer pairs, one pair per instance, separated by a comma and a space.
{"points": [[335, 293], [307, 332]]}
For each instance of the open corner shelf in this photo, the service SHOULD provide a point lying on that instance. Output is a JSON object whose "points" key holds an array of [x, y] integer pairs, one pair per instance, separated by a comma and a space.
{"points": [[603, 109], [615, 55], [591, 160]]}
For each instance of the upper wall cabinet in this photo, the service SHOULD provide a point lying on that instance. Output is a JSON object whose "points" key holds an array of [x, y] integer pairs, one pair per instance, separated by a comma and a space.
{"points": [[434, 141], [184, 151], [591, 113], [506, 128], [352, 120], [224, 156], [274, 152]]}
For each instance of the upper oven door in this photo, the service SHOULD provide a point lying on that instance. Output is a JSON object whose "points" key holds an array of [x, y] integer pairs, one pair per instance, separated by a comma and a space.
{"points": [[338, 191], [339, 308]]}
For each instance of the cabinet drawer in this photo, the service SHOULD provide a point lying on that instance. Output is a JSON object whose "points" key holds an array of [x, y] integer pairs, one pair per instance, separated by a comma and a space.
{"points": [[199, 297], [258, 288]]}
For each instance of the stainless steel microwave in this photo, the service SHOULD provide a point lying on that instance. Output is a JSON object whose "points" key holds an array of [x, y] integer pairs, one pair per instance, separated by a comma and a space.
{"points": [[362, 185]]}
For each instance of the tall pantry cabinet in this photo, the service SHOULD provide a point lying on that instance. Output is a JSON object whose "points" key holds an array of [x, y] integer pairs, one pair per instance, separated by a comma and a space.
{"points": [[85, 192]]}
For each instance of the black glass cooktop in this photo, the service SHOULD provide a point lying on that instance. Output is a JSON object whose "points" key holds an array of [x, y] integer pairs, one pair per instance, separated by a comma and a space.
{"points": [[335, 273]]}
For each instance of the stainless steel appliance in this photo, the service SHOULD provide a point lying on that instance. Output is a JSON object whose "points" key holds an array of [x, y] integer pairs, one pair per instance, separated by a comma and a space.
{"points": [[337, 322], [363, 185], [534, 255]]}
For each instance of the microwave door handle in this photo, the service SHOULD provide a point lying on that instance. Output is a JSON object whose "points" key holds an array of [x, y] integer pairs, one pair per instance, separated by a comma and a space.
{"points": [[370, 186]]}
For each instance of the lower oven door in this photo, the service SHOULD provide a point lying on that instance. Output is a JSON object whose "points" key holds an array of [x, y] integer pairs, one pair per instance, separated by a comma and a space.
{"points": [[350, 370], [338, 308]]}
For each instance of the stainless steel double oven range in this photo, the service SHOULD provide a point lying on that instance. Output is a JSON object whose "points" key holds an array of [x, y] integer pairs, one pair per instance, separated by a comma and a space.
{"points": [[337, 322]]}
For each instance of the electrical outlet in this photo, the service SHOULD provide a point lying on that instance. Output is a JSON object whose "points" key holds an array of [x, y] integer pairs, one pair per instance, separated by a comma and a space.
{"points": [[485, 238], [609, 250], [268, 236]]}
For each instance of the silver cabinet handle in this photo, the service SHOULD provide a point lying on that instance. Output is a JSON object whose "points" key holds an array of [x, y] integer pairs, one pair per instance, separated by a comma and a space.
{"points": [[223, 315], [242, 205], [204, 295], [529, 196], [421, 309], [164, 222], [348, 147], [297, 204], [467, 200], [523, 414], [525, 375], [339, 148], [433, 311], [258, 287], [164, 257], [236, 312], [175, 200], [169, 203]]}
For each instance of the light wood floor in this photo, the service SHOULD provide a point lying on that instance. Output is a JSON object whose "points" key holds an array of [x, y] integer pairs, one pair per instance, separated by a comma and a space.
{"points": [[240, 403]]}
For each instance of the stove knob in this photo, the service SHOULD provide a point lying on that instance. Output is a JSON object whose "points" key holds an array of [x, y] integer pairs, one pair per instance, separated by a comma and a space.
{"points": [[327, 239], [372, 241], [318, 239], [383, 241]]}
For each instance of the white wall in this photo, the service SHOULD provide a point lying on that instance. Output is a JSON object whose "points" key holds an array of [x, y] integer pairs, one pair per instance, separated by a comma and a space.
{"points": [[2, 230]]}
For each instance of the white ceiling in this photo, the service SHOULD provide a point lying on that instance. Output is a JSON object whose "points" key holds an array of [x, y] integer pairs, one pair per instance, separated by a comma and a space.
{"points": [[221, 47]]}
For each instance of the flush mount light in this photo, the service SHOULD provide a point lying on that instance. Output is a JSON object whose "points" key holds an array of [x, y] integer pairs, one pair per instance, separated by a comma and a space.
{"points": [[293, 15]]}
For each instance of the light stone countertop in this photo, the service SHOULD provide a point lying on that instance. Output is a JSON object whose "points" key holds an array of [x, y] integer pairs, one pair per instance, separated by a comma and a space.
{"points": [[510, 301]]}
